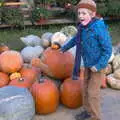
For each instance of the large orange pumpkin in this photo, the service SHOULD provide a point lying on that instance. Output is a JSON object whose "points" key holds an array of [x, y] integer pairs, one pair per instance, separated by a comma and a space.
{"points": [[4, 79], [21, 82], [46, 96], [10, 61], [29, 73], [59, 64], [71, 93]]}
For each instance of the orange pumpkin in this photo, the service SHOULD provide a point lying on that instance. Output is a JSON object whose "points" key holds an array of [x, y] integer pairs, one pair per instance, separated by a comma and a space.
{"points": [[71, 93], [46, 96], [59, 64], [21, 82], [4, 79], [10, 61], [29, 73]]}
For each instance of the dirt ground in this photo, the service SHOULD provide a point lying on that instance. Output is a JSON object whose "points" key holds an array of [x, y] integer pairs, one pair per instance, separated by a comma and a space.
{"points": [[110, 103]]}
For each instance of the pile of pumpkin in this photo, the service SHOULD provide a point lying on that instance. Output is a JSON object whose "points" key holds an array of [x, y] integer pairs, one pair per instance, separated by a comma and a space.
{"points": [[39, 81], [39, 72]]}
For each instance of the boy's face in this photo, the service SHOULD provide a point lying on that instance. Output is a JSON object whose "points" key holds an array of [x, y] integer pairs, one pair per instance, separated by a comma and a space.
{"points": [[85, 15]]}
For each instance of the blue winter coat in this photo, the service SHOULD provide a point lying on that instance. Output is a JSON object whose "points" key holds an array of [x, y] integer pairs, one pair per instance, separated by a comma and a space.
{"points": [[96, 44]]}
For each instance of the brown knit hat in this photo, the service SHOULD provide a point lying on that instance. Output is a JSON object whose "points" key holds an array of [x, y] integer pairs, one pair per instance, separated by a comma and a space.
{"points": [[89, 4]]}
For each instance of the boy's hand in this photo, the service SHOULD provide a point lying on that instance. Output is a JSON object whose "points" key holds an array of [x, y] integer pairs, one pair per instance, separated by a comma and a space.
{"points": [[35, 62], [60, 50], [93, 69]]}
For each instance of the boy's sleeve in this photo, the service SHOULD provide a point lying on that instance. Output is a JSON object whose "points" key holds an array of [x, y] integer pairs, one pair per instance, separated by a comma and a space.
{"points": [[69, 44], [106, 46]]}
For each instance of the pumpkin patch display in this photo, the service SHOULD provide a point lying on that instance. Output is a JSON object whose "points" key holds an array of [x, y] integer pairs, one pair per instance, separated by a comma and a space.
{"points": [[46, 96], [71, 93], [4, 79], [10, 61]]}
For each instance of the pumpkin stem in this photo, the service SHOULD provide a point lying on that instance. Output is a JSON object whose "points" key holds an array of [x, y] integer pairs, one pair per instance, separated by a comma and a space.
{"points": [[21, 79]]}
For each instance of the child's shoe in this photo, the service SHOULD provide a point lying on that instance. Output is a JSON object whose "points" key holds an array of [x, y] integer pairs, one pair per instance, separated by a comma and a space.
{"points": [[83, 116]]}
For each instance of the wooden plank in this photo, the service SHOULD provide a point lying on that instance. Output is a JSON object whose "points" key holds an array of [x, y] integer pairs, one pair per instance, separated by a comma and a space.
{"points": [[14, 3], [48, 22]]}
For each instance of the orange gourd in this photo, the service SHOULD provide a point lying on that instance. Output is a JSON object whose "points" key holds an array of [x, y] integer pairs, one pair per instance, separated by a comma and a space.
{"points": [[10, 61], [4, 79], [54, 46], [15, 75], [60, 64], [71, 93], [46, 96]]}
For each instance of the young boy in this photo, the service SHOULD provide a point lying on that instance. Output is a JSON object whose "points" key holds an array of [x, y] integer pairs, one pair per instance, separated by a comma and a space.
{"points": [[93, 44]]}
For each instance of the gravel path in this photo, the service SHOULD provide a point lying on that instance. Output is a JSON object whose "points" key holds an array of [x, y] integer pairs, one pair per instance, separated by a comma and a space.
{"points": [[110, 108]]}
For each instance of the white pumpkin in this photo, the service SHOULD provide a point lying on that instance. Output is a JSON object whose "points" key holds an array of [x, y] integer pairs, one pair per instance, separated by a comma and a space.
{"points": [[69, 31], [30, 52], [117, 74], [113, 82], [59, 38], [46, 39], [116, 62], [31, 40]]}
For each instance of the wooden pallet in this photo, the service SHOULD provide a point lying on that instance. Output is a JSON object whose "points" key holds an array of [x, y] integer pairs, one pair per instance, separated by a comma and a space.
{"points": [[48, 22]]}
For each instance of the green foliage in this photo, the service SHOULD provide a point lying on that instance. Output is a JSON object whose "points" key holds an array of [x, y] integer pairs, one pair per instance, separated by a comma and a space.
{"points": [[44, 1], [12, 16], [38, 13], [109, 8]]}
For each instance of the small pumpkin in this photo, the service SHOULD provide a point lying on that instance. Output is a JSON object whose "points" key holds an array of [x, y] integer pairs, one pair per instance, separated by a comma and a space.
{"points": [[29, 73], [21, 82], [55, 46], [71, 93], [15, 75], [10, 61], [4, 79], [46, 96]]}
